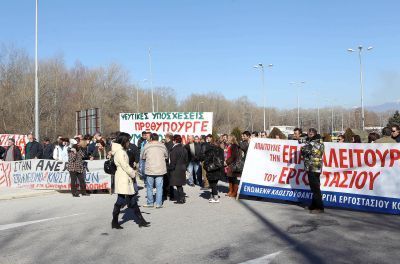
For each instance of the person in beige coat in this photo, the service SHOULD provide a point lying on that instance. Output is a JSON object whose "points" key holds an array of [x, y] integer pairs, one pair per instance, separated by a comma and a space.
{"points": [[124, 182]]}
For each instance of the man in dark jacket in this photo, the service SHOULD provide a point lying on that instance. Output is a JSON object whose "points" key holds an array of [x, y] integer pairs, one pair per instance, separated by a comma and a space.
{"points": [[33, 150], [13, 153], [312, 152], [140, 141], [194, 154], [396, 133], [48, 149], [244, 144]]}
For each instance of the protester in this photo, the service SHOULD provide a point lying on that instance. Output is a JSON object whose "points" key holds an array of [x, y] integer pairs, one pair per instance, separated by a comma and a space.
{"points": [[234, 154], [297, 134], [76, 168], [168, 190], [372, 137], [204, 146], [386, 136], [194, 155], [356, 139], [48, 149], [244, 144], [178, 160], [93, 143], [254, 134], [263, 134], [124, 184], [2, 151], [142, 139], [396, 133], [33, 150], [214, 165], [341, 138], [312, 152], [155, 154], [12, 153], [142, 162], [100, 151]]}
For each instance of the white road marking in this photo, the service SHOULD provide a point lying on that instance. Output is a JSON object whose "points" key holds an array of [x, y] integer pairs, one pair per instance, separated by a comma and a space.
{"points": [[263, 260], [9, 226]]}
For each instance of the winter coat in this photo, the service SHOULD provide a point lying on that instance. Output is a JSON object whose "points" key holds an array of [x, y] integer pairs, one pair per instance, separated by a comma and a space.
{"points": [[16, 153], [197, 152], [211, 152], [178, 160], [33, 150], [60, 153], [133, 154], [312, 153], [48, 151], [98, 154], [232, 157], [2, 152], [124, 174], [75, 161], [169, 145], [385, 139], [244, 146], [155, 154]]}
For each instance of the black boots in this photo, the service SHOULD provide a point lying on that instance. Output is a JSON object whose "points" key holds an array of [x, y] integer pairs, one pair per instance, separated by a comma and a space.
{"points": [[114, 223], [180, 199], [142, 222]]}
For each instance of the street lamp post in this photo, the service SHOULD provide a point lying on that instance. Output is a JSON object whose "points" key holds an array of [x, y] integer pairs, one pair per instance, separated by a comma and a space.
{"points": [[360, 48], [151, 81], [261, 67], [198, 106], [37, 131], [137, 95], [298, 84]]}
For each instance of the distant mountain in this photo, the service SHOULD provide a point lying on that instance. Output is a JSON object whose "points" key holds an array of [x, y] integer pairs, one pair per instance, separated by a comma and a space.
{"points": [[384, 107]]}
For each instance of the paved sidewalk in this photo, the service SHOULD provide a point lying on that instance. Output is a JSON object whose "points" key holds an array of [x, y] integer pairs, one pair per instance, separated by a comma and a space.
{"points": [[16, 193]]}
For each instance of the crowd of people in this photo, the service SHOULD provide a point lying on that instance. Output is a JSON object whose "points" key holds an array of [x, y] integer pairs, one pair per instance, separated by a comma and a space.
{"points": [[166, 165]]}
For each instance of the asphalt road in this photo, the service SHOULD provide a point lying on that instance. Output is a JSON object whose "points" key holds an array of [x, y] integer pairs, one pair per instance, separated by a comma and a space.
{"points": [[58, 228]]}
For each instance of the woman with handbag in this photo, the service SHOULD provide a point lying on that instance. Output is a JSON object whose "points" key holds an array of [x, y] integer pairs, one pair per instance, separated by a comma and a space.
{"points": [[214, 166], [232, 162], [124, 183], [178, 160]]}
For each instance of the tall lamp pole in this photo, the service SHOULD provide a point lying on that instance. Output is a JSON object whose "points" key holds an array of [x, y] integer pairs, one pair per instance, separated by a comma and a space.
{"points": [[360, 48], [37, 131], [151, 82], [298, 84], [261, 67]]}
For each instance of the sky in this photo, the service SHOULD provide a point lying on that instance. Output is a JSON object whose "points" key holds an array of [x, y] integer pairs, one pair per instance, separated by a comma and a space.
{"points": [[212, 45]]}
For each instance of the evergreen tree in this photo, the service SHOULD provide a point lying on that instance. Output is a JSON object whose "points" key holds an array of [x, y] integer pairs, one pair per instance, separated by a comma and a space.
{"points": [[394, 120], [238, 134]]}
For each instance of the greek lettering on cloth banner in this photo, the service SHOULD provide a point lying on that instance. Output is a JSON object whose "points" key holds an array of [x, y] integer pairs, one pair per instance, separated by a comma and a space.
{"points": [[357, 176]]}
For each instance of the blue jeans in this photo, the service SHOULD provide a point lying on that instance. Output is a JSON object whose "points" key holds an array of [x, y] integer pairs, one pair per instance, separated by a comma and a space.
{"points": [[150, 179], [193, 175], [142, 164]]}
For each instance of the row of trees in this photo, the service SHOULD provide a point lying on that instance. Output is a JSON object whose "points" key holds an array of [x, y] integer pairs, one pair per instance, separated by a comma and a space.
{"points": [[64, 90]]}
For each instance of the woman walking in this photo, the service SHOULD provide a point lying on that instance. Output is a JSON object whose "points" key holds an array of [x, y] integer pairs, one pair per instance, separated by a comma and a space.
{"points": [[178, 161], [124, 185], [214, 166], [233, 156]]}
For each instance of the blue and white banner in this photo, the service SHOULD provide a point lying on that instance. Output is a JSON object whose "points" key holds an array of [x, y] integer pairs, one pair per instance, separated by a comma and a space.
{"points": [[356, 176]]}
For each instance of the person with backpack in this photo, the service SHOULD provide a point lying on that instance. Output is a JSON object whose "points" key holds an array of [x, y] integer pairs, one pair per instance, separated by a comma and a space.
{"points": [[214, 166], [178, 160], [234, 165]]}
